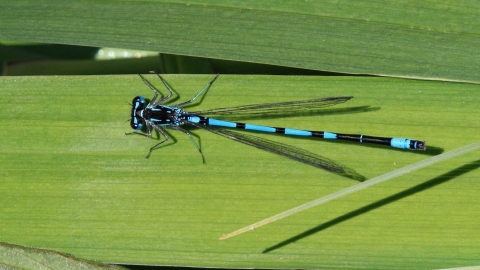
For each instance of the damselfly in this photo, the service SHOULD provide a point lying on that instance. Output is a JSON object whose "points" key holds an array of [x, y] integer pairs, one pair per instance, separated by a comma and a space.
{"points": [[158, 116]]}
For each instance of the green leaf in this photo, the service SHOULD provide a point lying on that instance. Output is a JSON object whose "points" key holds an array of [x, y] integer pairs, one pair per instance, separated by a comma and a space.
{"points": [[430, 40], [70, 180], [25, 258]]}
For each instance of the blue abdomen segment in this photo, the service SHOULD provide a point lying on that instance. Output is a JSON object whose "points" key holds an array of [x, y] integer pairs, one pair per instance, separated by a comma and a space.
{"points": [[407, 144], [194, 119], [221, 123], [329, 135], [259, 128], [297, 132], [400, 143]]}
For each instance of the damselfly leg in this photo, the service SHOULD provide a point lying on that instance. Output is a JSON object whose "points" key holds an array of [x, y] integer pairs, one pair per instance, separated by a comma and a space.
{"points": [[199, 93]]}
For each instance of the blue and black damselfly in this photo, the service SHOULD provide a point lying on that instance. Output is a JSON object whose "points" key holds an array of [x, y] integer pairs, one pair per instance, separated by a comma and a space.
{"points": [[158, 116]]}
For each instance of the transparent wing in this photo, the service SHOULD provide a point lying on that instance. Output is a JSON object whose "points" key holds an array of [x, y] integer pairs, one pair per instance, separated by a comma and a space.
{"points": [[299, 105], [284, 150]]}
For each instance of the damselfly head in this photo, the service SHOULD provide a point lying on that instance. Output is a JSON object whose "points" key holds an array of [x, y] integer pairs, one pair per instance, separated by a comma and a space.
{"points": [[138, 105]]}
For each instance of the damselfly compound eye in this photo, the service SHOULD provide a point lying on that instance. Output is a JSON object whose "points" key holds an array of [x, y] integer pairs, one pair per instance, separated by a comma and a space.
{"points": [[138, 104], [136, 123], [138, 99]]}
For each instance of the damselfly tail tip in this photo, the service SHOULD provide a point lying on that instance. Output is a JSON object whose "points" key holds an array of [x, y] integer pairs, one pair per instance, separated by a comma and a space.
{"points": [[420, 145]]}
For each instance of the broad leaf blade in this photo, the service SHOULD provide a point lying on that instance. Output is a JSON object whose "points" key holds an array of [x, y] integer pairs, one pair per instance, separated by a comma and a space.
{"points": [[71, 180], [429, 40]]}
